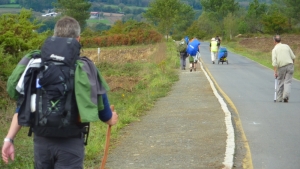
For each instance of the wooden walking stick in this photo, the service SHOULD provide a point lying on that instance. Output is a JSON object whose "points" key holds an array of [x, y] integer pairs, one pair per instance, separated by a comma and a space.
{"points": [[112, 107]]}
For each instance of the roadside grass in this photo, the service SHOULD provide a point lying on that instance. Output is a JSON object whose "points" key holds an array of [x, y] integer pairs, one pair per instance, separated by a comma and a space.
{"points": [[156, 77], [23, 143], [257, 56], [263, 58]]}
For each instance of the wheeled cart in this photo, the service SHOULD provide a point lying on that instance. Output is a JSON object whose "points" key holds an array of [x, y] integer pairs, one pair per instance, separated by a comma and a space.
{"points": [[222, 55]]}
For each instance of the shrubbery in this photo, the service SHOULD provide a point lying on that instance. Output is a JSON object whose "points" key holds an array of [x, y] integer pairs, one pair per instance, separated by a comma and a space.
{"points": [[128, 33], [18, 35]]}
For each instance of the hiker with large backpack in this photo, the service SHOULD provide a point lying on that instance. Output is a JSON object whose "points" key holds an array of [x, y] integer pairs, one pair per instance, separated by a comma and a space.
{"points": [[182, 46], [193, 50], [58, 94]]}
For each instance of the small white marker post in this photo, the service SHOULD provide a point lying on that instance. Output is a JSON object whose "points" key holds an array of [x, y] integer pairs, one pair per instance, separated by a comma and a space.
{"points": [[98, 54]]}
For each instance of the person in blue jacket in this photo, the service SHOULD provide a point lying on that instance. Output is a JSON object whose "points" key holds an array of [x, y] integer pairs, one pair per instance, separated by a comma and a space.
{"points": [[187, 40], [67, 153], [193, 50]]}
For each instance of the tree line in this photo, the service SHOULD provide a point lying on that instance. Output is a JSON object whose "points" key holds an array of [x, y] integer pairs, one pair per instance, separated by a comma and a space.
{"points": [[40, 5], [227, 18]]}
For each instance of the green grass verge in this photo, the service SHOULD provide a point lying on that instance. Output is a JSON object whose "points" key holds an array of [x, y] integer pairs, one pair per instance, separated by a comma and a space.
{"points": [[156, 81]]}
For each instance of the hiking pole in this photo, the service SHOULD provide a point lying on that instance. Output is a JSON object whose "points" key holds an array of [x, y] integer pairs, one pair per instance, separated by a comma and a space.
{"points": [[112, 107], [275, 95]]}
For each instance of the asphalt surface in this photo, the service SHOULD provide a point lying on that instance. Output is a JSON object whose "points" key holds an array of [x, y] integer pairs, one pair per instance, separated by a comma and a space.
{"points": [[188, 129], [270, 129]]}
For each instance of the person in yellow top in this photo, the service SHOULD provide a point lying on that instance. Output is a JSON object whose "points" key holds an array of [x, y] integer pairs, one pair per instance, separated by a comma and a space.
{"points": [[283, 60], [213, 50]]}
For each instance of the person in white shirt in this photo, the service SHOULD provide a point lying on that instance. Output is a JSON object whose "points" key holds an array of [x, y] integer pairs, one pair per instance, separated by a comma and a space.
{"points": [[283, 60]]}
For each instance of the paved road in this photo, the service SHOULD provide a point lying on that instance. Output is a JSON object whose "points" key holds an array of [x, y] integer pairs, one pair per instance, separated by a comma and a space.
{"points": [[271, 129]]}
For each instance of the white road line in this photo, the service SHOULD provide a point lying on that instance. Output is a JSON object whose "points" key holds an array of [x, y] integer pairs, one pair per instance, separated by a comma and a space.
{"points": [[230, 143]]}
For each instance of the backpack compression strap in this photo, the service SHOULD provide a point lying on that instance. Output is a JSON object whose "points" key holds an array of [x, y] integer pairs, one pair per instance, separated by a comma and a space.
{"points": [[70, 84]]}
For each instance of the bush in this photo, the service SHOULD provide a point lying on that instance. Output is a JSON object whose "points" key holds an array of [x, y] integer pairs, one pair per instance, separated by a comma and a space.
{"points": [[128, 33], [17, 36], [17, 33]]}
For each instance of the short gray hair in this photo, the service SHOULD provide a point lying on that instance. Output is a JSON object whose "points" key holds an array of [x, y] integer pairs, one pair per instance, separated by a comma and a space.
{"points": [[67, 27], [277, 38]]}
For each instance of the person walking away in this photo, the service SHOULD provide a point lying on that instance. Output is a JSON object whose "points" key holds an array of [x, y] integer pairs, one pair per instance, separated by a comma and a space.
{"points": [[192, 49], [213, 50], [187, 40], [182, 53], [218, 42], [283, 60], [67, 151]]}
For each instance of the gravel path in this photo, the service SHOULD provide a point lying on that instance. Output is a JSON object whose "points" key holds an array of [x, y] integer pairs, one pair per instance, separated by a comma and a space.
{"points": [[184, 130]]}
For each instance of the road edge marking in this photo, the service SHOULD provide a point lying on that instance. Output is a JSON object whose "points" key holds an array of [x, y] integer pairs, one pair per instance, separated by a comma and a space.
{"points": [[230, 142]]}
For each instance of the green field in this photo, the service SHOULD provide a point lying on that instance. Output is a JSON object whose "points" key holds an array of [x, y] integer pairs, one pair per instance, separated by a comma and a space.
{"points": [[9, 10], [130, 7], [95, 21], [10, 6]]}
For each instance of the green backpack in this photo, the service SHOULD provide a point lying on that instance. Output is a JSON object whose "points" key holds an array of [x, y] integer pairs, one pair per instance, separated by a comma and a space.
{"points": [[182, 46]]}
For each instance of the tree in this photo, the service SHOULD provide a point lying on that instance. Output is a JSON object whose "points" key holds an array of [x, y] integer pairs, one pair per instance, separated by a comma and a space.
{"points": [[230, 22], [275, 23], [18, 33], [254, 16], [194, 31], [208, 22], [216, 10], [294, 9], [102, 27], [220, 7], [78, 9], [36, 5], [48, 24], [184, 18], [290, 8], [165, 13]]}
